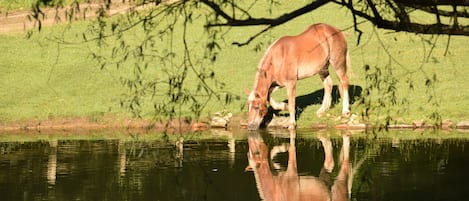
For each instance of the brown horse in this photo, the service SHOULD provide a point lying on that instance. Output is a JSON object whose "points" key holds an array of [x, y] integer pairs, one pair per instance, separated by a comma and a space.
{"points": [[287, 184], [292, 58]]}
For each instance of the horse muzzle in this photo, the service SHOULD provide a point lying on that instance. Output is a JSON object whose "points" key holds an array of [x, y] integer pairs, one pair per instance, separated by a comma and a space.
{"points": [[253, 126]]}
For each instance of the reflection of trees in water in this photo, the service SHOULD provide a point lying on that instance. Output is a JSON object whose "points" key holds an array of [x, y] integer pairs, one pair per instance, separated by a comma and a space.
{"points": [[79, 167], [394, 163], [73, 169], [52, 162]]}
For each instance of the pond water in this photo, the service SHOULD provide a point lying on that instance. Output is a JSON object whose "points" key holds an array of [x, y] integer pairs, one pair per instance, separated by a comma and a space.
{"points": [[307, 165]]}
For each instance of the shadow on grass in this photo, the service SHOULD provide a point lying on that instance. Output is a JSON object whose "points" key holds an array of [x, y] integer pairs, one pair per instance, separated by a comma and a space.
{"points": [[314, 98]]}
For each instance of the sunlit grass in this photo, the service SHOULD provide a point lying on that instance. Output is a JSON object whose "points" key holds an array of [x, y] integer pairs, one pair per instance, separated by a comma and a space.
{"points": [[42, 79]]}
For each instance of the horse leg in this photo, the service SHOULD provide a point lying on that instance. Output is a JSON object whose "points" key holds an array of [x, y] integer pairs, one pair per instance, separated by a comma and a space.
{"points": [[343, 89], [274, 104], [328, 157], [342, 185], [341, 65], [291, 105], [327, 99]]}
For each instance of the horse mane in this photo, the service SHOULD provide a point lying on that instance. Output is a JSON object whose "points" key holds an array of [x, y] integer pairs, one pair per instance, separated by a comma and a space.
{"points": [[263, 65], [267, 57]]}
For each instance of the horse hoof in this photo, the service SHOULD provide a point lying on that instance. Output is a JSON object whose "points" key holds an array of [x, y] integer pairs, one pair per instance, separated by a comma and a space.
{"points": [[345, 114], [319, 114]]}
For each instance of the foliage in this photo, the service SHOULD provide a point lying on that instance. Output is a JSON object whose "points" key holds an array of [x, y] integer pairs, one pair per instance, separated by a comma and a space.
{"points": [[388, 95], [14, 5], [380, 97], [161, 60]]}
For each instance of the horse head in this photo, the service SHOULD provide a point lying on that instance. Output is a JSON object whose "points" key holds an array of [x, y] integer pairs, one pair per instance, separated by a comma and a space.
{"points": [[257, 110]]}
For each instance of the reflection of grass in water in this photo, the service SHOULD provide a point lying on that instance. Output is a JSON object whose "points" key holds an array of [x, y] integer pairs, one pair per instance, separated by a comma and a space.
{"points": [[386, 136], [48, 80], [429, 154], [280, 136], [124, 135]]}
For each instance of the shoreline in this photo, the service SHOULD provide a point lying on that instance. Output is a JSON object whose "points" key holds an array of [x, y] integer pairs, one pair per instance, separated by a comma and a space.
{"points": [[183, 125]]}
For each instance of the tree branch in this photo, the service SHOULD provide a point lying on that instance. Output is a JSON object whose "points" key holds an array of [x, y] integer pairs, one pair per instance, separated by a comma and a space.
{"points": [[440, 12], [411, 27], [374, 10], [251, 38], [434, 2], [231, 21], [425, 28]]}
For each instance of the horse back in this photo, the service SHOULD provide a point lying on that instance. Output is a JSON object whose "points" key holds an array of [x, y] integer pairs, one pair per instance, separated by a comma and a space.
{"points": [[306, 54]]}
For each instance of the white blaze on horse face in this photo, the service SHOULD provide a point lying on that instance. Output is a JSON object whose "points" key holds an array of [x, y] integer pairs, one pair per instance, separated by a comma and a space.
{"points": [[250, 100], [254, 116]]}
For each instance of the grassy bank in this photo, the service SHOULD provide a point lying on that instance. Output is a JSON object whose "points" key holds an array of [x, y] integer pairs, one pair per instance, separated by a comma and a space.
{"points": [[41, 79]]}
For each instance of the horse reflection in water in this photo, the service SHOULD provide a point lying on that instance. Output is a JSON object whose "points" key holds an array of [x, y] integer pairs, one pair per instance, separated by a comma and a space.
{"points": [[288, 185], [52, 162]]}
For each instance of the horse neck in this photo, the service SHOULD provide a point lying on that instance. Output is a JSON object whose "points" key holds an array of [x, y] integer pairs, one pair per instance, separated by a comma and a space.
{"points": [[263, 75], [265, 180]]}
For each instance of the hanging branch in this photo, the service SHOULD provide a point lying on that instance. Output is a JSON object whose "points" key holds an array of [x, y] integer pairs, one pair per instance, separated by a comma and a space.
{"points": [[272, 22], [408, 26]]}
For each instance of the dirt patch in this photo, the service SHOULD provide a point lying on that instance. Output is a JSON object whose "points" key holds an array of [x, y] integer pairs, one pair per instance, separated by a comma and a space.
{"points": [[22, 21]]}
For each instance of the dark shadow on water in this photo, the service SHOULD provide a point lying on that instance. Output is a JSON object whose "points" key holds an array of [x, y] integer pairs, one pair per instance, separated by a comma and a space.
{"points": [[314, 98]]}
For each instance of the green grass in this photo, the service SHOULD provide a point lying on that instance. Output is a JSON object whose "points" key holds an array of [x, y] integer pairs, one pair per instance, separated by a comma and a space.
{"points": [[40, 80], [14, 5]]}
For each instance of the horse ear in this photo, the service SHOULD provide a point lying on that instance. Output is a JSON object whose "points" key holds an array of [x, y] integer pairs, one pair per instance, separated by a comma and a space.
{"points": [[263, 73], [247, 92], [257, 95]]}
